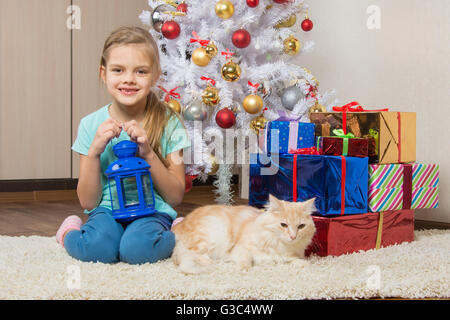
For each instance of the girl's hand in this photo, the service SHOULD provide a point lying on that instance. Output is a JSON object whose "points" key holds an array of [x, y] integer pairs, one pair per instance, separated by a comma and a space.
{"points": [[108, 130], [138, 135]]}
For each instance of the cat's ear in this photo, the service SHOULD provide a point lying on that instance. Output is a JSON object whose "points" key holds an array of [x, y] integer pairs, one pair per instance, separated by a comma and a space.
{"points": [[309, 205], [273, 203]]}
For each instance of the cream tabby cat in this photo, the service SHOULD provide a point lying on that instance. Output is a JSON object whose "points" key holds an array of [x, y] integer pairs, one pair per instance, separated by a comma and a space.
{"points": [[244, 235]]}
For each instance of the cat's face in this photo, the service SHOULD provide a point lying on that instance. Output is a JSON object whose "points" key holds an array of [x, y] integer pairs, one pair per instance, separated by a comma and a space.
{"points": [[291, 221]]}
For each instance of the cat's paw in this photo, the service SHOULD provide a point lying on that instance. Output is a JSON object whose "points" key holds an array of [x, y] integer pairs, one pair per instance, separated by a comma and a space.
{"points": [[299, 263]]}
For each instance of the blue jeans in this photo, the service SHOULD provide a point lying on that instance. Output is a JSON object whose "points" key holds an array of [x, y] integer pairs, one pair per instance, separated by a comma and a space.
{"points": [[103, 239]]}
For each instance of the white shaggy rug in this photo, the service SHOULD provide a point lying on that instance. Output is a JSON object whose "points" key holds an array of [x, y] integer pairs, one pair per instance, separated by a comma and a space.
{"points": [[37, 268]]}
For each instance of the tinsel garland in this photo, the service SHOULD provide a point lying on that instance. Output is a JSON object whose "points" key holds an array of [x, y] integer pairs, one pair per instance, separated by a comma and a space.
{"points": [[223, 185]]}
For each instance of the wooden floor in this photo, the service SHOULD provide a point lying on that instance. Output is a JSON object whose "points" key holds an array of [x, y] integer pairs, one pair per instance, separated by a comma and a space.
{"points": [[43, 218]]}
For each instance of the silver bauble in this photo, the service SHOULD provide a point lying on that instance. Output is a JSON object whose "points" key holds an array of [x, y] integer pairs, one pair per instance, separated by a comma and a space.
{"points": [[291, 96], [195, 111], [157, 17]]}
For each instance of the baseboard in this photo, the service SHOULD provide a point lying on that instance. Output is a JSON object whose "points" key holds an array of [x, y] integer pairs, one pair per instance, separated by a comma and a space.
{"points": [[37, 185], [56, 189], [423, 224], [45, 195]]}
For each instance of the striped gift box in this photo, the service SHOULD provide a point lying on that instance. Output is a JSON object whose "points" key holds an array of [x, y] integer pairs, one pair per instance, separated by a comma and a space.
{"points": [[403, 186], [425, 186]]}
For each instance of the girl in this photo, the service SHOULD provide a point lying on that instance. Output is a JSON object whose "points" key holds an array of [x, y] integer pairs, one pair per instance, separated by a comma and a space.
{"points": [[129, 68]]}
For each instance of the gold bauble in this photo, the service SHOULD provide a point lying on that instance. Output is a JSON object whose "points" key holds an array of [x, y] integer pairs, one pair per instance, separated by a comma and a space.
{"points": [[214, 165], [231, 71], [258, 123], [200, 57], [316, 108], [224, 9], [210, 96], [291, 45], [174, 105], [253, 104], [289, 22], [211, 50]]}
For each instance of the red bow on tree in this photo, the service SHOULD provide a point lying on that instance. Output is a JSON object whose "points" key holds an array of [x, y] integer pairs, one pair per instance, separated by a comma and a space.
{"points": [[170, 93], [228, 54], [203, 43], [213, 82]]}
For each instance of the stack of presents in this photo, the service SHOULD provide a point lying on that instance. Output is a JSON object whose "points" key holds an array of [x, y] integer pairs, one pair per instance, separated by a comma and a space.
{"points": [[359, 165]]}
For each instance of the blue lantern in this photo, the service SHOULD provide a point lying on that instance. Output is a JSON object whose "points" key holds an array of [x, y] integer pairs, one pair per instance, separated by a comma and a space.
{"points": [[130, 184]]}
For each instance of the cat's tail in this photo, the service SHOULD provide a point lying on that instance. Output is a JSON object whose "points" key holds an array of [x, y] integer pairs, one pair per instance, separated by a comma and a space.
{"points": [[188, 261]]}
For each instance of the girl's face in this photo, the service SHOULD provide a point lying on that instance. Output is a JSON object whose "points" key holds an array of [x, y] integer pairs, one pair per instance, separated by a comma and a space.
{"points": [[127, 74]]}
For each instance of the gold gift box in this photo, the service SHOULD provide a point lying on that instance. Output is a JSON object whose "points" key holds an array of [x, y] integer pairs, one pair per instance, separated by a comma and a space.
{"points": [[394, 133]]}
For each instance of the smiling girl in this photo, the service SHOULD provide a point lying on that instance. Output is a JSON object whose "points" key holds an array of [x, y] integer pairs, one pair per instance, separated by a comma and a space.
{"points": [[129, 68]]}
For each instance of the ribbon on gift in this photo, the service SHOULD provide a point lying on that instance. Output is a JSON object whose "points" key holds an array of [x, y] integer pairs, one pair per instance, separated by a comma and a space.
{"points": [[293, 134], [352, 107], [343, 178], [379, 231], [284, 117], [310, 151], [170, 93], [340, 133], [399, 144], [296, 152]]}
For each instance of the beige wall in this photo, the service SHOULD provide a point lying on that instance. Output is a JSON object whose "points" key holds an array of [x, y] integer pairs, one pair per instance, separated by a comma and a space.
{"points": [[404, 65], [98, 19]]}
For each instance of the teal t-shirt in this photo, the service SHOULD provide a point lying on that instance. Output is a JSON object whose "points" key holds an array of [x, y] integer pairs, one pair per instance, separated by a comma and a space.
{"points": [[174, 138]]}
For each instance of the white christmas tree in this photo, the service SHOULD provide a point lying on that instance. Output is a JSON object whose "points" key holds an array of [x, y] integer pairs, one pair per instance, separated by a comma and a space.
{"points": [[230, 64]]}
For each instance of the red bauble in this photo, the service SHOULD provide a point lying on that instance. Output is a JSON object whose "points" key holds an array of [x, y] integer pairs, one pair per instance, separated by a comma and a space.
{"points": [[225, 118], [252, 3], [182, 7], [170, 30], [307, 25], [241, 38], [188, 183]]}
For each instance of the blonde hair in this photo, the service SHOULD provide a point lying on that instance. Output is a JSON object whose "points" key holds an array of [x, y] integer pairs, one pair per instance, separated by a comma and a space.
{"points": [[157, 112]]}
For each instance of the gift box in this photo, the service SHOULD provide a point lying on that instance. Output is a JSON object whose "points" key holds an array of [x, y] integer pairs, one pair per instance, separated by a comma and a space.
{"points": [[282, 136], [393, 133], [339, 184], [345, 145], [346, 234], [403, 186]]}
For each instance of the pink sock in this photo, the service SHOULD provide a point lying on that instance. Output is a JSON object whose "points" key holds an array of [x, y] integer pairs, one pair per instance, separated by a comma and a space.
{"points": [[176, 221], [70, 223]]}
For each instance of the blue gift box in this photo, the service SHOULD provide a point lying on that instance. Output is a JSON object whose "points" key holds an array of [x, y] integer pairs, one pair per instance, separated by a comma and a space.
{"points": [[330, 179], [291, 135]]}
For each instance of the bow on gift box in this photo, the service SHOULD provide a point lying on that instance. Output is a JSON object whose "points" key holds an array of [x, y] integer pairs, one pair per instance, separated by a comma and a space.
{"points": [[340, 133], [311, 151], [352, 107]]}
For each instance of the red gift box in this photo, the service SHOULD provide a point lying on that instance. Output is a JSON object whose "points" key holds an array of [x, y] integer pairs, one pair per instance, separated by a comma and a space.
{"points": [[351, 233], [334, 146]]}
